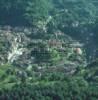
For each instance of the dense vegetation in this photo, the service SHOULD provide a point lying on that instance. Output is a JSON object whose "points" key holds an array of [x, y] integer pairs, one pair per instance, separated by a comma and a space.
{"points": [[32, 11], [57, 70]]}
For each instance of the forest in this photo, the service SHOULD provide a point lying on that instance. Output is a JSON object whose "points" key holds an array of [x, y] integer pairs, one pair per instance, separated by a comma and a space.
{"points": [[48, 50]]}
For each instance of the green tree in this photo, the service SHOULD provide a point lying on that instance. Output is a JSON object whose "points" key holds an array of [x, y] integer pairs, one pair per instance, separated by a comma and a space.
{"points": [[67, 15], [37, 10]]}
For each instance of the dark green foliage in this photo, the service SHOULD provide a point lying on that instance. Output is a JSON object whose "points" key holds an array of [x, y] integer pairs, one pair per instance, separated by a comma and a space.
{"points": [[47, 80], [12, 12], [32, 11], [67, 12], [71, 89], [19, 12], [37, 10], [53, 86]]}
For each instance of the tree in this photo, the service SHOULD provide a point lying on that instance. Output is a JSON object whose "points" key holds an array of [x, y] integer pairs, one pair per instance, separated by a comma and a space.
{"points": [[67, 12], [37, 10], [12, 11]]}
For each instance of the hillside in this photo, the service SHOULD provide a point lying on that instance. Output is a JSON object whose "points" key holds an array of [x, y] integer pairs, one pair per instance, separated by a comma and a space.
{"points": [[48, 50]]}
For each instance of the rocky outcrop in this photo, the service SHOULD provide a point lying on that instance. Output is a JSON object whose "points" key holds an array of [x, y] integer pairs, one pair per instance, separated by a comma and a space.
{"points": [[18, 46]]}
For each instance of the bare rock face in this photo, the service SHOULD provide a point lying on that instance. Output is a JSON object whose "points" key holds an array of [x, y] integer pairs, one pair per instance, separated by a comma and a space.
{"points": [[13, 45]]}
